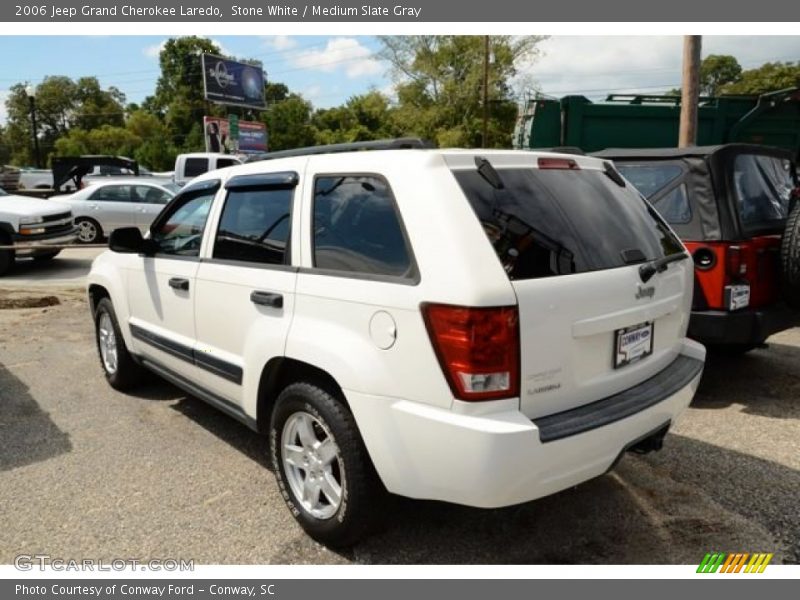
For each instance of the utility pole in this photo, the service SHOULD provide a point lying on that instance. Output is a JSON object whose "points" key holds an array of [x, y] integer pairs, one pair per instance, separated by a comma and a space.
{"points": [[485, 142], [30, 91], [690, 90]]}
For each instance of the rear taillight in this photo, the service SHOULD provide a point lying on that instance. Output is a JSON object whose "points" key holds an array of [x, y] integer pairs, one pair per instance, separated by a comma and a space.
{"points": [[736, 263], [736, 294], [558, 163], [478, 349]]}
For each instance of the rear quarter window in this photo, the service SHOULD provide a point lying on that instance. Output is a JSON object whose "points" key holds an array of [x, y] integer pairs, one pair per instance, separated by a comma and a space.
{"points": [[357, 227], [552, 222], [763, 187]]}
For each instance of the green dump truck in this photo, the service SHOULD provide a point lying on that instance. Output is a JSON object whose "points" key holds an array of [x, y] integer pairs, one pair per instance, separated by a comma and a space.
{"points": [[638, 121]]}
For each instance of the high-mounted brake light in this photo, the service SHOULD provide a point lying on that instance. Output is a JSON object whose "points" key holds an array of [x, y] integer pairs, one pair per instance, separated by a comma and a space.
{"points": [[478, 349], [558, 163]]}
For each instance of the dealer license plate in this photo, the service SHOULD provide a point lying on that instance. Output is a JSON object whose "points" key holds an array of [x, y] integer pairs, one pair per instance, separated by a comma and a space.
{"points": [[632, 344]]}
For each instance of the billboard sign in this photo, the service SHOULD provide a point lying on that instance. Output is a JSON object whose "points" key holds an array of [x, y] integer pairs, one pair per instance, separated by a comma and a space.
{"points": [[230, 82], [251, 138]]}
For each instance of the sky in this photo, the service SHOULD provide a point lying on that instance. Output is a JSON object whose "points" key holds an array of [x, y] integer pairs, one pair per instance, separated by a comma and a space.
{"points": [[329, 69]]}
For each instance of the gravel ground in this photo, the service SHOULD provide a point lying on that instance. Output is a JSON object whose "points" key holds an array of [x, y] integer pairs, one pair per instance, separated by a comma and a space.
{"points": [[88, 472]]}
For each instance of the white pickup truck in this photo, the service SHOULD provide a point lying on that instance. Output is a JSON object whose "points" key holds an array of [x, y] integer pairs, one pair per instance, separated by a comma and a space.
{"points": [[31, 226], [190, 165]]}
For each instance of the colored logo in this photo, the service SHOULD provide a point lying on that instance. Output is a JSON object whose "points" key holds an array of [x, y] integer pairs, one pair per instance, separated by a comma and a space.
{"points": [[740, 562]]}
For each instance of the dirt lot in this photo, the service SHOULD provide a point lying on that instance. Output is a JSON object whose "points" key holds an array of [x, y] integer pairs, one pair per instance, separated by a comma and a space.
{"points": [[89, 472]]}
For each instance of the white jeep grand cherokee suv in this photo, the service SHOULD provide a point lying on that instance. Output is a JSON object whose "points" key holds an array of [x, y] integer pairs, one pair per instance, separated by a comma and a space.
{"points": [[476, 326]]}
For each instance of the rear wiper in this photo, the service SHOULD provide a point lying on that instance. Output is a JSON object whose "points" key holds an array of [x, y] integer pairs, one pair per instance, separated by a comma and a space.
{"points": [[489, 173], [613, 174], [647, 271]]}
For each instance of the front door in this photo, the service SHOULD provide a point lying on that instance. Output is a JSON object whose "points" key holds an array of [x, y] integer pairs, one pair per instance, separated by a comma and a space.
{"points": [[161, 287]]}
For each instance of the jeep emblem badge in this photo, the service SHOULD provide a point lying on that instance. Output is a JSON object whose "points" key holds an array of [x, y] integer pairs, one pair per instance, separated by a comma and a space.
{"points": [[645, 292]]}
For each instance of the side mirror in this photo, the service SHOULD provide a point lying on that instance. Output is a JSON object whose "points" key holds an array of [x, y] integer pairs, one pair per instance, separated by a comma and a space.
{"points": [[129, 240]]}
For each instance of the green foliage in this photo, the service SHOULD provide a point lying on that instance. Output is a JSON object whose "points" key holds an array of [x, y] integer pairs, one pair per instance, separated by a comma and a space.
{"points": [[179, 91], [718, 70], [439, 87], [722, 74], [439, 82], [289, 122], [769, 77], [61, 105], [361, 118]]}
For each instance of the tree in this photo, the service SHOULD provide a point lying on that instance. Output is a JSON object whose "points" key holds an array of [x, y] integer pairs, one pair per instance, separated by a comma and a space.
{"points": [[361, 118], [769, 77], [61, 104], [439, 82], [179, 97], [288, 121], [156, 150], [718, 70], [107, 139]]}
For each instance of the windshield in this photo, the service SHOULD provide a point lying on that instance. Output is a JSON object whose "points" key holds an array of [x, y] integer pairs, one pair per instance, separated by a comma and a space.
{"points": [[763, 186], [547, 222]]}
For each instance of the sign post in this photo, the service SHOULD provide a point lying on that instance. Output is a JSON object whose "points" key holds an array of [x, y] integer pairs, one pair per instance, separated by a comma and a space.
{"points": [[233, 127]]}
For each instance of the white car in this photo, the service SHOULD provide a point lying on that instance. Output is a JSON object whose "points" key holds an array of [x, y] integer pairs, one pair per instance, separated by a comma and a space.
{"points": [[481, 327], [33, 228], [108, 204]]}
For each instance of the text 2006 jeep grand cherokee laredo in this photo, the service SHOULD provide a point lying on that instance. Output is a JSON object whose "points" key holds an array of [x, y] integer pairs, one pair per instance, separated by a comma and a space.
{"points": [[476, 326]]}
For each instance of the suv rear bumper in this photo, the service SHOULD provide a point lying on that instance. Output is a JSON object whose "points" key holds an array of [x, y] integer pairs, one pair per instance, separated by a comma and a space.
{"points": [[748, 326], [499, 459]]}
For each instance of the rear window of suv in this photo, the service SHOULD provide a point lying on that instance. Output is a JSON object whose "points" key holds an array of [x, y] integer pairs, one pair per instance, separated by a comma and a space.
{"points": [[548, 222]]}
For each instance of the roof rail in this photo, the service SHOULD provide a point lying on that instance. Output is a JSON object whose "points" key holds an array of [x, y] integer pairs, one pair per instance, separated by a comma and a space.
{"points": [[388, 144]]}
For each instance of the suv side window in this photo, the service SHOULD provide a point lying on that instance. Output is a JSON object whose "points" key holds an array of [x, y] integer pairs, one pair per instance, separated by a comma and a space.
{"points": [[151, 195], [180, 230], [357, 227], [111, 193], [255, 226]]}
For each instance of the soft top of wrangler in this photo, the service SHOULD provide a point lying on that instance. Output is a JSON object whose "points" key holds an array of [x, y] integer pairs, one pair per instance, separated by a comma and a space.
{"points": [[691, 151]]}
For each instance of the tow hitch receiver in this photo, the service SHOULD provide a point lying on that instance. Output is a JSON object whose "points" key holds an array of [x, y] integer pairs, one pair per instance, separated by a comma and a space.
{"points": [[654, 441]]}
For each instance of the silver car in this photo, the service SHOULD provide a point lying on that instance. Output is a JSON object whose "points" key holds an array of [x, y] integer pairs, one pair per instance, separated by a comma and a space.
{"points": [[107, 205]]}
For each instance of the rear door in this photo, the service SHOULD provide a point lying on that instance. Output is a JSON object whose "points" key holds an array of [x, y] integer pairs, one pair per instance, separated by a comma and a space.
{"points": [[113, 206], [248, 279], [572, 241]]}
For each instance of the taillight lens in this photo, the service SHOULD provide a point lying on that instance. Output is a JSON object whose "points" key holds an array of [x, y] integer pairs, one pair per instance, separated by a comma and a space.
{"points": [[736, 264], [478, 349]]}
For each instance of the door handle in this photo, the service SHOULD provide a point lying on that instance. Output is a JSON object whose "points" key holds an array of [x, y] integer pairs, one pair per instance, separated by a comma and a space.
{"points": [[179, 283], [267, 299]]}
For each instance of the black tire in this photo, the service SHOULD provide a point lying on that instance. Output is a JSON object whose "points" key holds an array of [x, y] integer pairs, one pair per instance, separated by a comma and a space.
{"points": [[362, 493], [46, 257], [89, 231], [790, 259], [128, 374]]}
